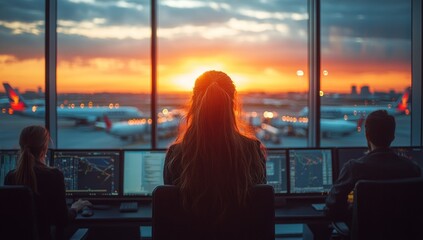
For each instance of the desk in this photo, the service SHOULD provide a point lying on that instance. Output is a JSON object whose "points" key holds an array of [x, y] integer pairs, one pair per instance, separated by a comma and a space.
{"points": [[291, 213], [112, 218]]}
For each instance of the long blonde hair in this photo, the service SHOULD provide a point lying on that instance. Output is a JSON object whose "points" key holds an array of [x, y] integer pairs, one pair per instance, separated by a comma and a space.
{"points": [[33, 143], [220, 158]]}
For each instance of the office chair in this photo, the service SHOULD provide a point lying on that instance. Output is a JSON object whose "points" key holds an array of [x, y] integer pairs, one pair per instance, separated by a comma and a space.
{"points": [[17, 213], [18, 216], [171, 221], [386, 210]]}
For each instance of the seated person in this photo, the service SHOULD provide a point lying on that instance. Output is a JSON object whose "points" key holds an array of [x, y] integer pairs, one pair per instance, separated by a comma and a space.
{"points": [[47, 184], [215, 160], [380, 163]]}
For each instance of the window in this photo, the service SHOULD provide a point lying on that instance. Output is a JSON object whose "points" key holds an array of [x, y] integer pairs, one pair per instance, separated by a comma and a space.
{"points": [[365, 66], [103, 74], [261, 45], [105, 66], [22, 67]]}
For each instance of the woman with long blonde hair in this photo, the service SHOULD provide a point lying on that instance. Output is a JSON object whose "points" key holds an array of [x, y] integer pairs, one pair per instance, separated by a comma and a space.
{"points": [[47, 184], [215, 159]]}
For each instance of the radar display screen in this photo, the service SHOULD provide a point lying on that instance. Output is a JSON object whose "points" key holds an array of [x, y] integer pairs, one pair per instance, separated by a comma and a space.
{"points": [[142, 172], [276, 170], [310, 170], [89, 173]]}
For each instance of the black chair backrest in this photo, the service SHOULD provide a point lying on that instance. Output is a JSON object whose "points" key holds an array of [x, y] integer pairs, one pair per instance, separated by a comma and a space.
{"points": [[388, 210], [17, 213], [171, 221]]}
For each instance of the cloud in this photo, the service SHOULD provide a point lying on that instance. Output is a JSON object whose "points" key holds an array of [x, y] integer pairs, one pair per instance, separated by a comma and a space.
{"points": [[99, 29], [17, 27]]}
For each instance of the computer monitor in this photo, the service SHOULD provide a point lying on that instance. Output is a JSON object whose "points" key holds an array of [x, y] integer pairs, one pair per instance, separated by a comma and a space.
{"points": [[142, 171], [89, 173], [8, 161], [345, 154], [412, 153], [310, 171], [276, 173]]}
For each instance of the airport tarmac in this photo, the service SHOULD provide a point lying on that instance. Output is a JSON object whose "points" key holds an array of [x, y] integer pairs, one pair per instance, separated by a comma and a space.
{"points": [[87, 137]]}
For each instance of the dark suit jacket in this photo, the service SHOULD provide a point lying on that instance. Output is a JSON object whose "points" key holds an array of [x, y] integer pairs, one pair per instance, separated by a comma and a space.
{"points": [[50, 203], [380, 164]]}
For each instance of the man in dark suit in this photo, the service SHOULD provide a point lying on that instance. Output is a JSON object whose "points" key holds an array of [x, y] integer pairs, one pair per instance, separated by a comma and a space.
{"points": [[380, 163]]}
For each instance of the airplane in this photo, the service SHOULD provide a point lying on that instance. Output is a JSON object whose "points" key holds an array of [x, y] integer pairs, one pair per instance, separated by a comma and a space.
{"points": [[354, 113], [336, 121], [138, 129], [82, 115]]}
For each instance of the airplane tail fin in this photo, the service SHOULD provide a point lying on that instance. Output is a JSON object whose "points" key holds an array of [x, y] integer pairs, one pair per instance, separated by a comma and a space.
{"points": [[108, 123], [17, 103], [402, 104]]}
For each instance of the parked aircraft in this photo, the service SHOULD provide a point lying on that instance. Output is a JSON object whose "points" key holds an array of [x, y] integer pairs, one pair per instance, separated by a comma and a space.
{"points": [[336, 120], [353, 113], [138, 129], [82, 115]]}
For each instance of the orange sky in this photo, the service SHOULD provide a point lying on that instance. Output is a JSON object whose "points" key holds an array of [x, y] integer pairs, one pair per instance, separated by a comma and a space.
{"points": [[131, 75]]}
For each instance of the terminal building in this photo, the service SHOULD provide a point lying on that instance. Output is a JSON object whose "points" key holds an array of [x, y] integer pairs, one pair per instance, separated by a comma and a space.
{"points": [[111, 80]]}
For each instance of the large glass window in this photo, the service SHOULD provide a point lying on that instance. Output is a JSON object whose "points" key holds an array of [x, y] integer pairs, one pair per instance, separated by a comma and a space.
{"points": [[21, 68], [104, 68], [261, 45], [103, 74], [366, 65]]}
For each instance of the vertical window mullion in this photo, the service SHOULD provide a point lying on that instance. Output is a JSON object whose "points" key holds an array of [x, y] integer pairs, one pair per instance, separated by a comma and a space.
{"points": [[153, 74], [50, 69], [416, 82], [314, 71]]}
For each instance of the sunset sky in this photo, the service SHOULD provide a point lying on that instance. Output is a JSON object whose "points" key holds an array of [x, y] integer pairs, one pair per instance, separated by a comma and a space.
{"points": [[262, 44]]}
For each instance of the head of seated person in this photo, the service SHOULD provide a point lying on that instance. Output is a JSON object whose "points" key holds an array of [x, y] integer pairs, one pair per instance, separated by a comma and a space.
{"points": [[380, 129]]}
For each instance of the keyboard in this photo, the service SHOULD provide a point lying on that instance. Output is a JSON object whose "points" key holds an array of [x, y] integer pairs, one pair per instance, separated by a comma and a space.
{"points": [[128, 207]]}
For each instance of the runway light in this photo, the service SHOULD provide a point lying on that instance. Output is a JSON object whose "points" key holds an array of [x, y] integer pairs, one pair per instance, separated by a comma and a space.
{"points": [[267, 114]]}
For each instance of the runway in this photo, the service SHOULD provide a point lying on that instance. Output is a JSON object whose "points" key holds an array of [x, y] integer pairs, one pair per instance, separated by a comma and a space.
{"points": [[71, 136]]}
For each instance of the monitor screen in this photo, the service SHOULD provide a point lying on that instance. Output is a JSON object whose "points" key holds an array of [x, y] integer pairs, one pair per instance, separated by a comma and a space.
{"points": [[310, 170], [412, 153], [8, 161], [346, 154], [90, 173], [276, 170], [142, 171]]}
